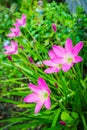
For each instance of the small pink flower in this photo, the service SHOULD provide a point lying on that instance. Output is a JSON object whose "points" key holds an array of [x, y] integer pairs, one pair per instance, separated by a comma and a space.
{"points": [[13, 49], [63, 58], [15, 32], [54, 27], [40, 95], [20, 22]]}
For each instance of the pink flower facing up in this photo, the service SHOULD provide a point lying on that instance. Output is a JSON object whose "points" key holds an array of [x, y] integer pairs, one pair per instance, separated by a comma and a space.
{"points": [[13, 49], [63, 58], [54, 27], [40, 95], [15, 32], [20, 22]]}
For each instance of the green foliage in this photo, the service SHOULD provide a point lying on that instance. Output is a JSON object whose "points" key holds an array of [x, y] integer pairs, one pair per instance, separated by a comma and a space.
{"points": [[69, 100]]}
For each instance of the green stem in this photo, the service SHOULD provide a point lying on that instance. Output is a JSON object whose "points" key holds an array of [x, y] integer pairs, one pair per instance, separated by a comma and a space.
{"points": [[69, 95], [84, 121], [73, 69], [31, 35]]}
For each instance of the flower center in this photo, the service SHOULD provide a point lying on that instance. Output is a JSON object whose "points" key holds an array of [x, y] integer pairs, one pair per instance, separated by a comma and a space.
{"points": [[43, 95], [69, 60], [59, 65]]}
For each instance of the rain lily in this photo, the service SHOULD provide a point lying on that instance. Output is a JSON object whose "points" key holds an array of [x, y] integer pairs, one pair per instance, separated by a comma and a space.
{"points": [[13, 49], [63, 58], [54, 27], [21, 22], [40, 95], [69, 54], [15, 32], [55, 66]]}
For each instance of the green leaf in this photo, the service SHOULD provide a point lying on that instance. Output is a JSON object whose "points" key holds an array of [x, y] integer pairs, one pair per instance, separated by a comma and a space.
{"points": [[75, 115], [9, 101], [66, 117], [57, 113]]}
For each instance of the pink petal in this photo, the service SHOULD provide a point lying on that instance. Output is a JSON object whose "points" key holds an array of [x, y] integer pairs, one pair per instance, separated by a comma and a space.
{"points": [[14, 29], [42, 84], [13, 44], [31, 98], [48, 62], [14, 47], [66, 67], [58, 60], [38, 106], [77, 48], [19, 21], [8, 48], [23, 18], [47, 103], [59, 51], [52, 70], [52, 54], [6, 52], [34, 88], [11, 35], [16, 25], [77, 59], [68, 46]]}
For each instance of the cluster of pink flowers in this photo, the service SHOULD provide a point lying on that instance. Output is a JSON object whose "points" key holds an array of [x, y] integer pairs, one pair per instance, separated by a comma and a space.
{"points": [[60, 59], [15, 32]]}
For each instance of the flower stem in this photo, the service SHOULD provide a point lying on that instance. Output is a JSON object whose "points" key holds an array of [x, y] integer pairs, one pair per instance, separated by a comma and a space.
{"points": [[84, 121]]}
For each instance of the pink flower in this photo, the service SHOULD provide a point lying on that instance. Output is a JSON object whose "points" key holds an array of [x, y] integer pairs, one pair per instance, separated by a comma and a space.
{"points": [[13, 49], [40, 95], [54, 27], [21, 22], [63, 58], [69, 54], [15, 32], [55, 66]]}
